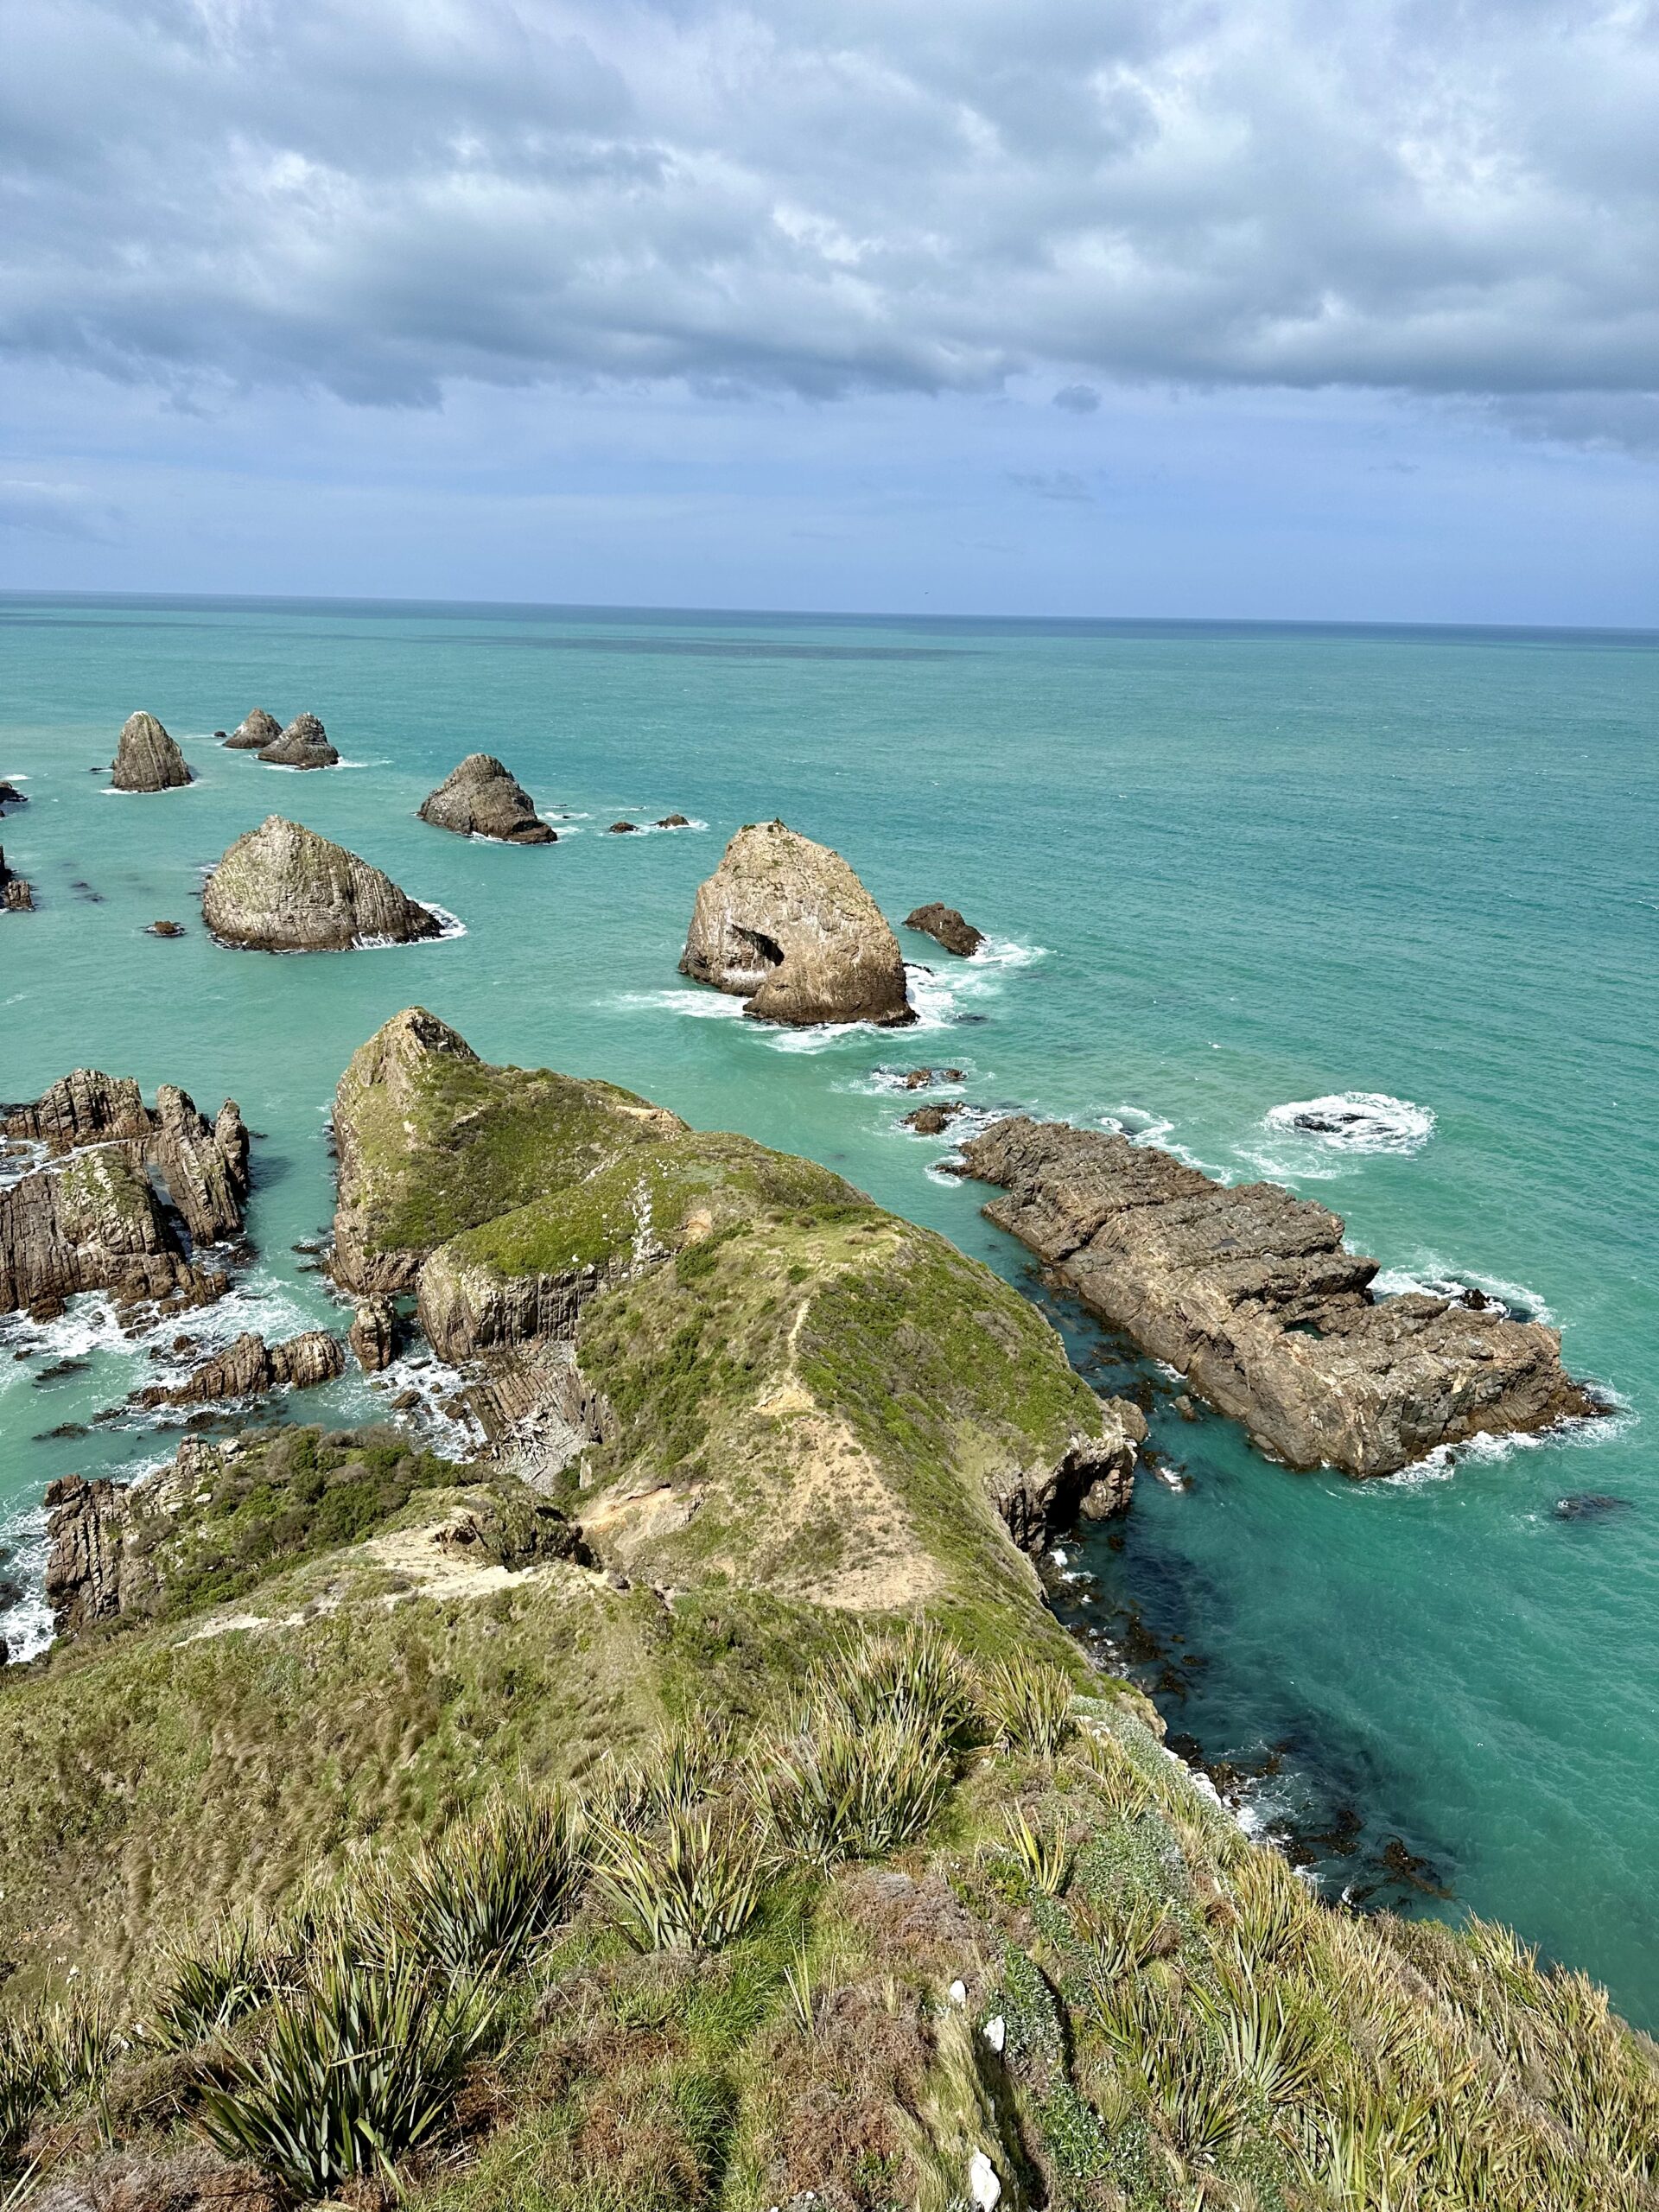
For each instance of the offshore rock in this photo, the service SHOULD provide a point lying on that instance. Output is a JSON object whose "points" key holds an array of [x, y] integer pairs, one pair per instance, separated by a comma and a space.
{"points": [[303, 744], [282, 888], [785, 924], [946, 927], [93, 1218], [1248, 1291], [11, 796], [249, 1367], [146, 759], [255, 732], [164, 929], [930, 1121], [373, 1336], [482, 799], [17, 897]]}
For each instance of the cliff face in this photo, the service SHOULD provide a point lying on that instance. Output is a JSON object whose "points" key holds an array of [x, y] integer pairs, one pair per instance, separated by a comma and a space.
{"points": [[1250, 1292], [481, 798], [146, 759], [282, 888], [785, 924], [92, 1218]]}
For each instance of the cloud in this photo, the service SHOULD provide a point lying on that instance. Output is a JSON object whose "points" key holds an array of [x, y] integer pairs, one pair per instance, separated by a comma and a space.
{"points": [[383, 197], [1078, 398], [55, 511], [1052, 484]]}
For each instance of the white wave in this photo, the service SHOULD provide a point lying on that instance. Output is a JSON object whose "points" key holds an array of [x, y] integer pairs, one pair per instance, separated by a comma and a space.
{"points": [[453, 926], [453, 1437], [1355, 1121], [26, 1626], [1434, 1278], [1481, 1450], [1135, 1123], [1003, 952], [385, 762], [17, 777], [21, 1157], [701, 1005]]}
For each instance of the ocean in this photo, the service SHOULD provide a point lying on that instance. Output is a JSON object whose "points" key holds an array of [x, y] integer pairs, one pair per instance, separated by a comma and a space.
{"points": [[1224, 868]]}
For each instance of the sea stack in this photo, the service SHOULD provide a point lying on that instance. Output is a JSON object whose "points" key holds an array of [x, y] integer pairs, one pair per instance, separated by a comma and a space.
{"points": [[255, 732], [946, 927], [17, 897], [303, 744], [786, 926], [1250, 1292], [282, 888], [482, 799], [147, 760]]}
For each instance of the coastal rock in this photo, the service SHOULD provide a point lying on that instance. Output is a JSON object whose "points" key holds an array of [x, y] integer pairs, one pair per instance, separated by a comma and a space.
{"points": [[255, 732], [203, 1166], [1094, 1474], [250, 1367], [372, 1335], [623, 829], [482, 798], [83, 1561], [164, 929], [1249, 1293], [146, 759], [946, 927], [11, 796], [303, 744], [282, 888], [785, 924], [675, 822], [930, 1121], [17, 897]]}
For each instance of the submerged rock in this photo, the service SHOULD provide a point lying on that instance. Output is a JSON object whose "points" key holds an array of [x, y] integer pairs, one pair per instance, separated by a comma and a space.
{"points": [[250, 1367], [282, 888], [147, 760], [254, 731], [946, 927], [1248, 1291], [482, 798], [1589, 1505], [303, 744], [930, 1121], [785, 924], [164, 929]]}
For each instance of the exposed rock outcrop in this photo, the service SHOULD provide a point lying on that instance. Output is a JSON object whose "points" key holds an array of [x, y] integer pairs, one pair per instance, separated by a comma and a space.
{"points": [[785, 924], [1248, 1291], [17, 897], [282, 888], [946, 927], [249, 1367], [303, 744], [93, 1217], [255, 732], [373, 1335], [83, 1563], [146, 759], [11, 796], [482, 799]]}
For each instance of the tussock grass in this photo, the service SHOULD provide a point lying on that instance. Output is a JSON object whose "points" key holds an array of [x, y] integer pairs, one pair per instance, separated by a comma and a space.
{"points": [[1029, 1706], [832, 1790], [491, 1888], [692, 1884], [46, 2059]]}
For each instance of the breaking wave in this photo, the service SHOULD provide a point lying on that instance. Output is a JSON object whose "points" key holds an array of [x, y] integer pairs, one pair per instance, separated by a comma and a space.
{"points": [[1355, 1120]]}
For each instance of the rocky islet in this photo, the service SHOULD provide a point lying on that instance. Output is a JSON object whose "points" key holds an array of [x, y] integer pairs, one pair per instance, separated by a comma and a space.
{"points": [[147, 758], [283, 888], [947, 928], [303, 744], [254, 731], [483, 798]]}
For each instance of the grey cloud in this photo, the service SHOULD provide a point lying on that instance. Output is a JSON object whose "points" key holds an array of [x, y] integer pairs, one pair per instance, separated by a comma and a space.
{"points": [[1052, 484], [1078, 398], [384, 196], [54, 510]]}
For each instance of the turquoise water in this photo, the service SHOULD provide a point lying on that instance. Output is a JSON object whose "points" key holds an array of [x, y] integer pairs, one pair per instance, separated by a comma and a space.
{"points": [[1224, 867]]}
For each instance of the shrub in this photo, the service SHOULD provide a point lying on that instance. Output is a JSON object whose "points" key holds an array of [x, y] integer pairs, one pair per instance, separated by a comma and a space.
{"points": [[1029, 1705], [491, 1889], [691, 1886], [357, 2071], [837, 1789]]}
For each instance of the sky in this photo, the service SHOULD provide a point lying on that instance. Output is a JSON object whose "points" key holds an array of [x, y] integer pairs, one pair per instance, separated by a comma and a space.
{"points": [[1317, 309]]}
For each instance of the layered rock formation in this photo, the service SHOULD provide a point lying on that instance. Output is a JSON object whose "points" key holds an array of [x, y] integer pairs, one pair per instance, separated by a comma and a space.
{"points": [[786, 926], [17, 897], [249, 1367], [254, 731], [373, 1335], [946, 927], [1248, 1291], [282, 888], [303, 744], [146, 759], [482, 798], [91, 1217]]}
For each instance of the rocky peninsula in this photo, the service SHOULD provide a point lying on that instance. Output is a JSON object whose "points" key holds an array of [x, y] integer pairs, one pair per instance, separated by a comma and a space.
{"points": [[125, 1200], [1249, 1293], [254, 731], [784, 924], [283, 888], [482, 799], [303, 744], [147, 758], [946, 927]]}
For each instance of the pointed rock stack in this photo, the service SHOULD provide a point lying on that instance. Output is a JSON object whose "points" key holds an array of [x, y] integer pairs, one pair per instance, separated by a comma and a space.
{"points": [[282, 888], [254, 731], [303, 744], [785, 924], [482, 798], [147, 760]]}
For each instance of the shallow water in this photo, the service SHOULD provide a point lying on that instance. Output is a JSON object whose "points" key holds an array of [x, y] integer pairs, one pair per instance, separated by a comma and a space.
{"points": [[1227, 870]]}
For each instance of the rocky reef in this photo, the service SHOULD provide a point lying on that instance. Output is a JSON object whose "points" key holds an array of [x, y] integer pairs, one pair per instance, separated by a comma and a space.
{"points": [[303, 744], [946, 927], [1249, 1293], [482, 799], [147, 758], [92, 1216], [283, 888], [784, 924], [254, 731], [249, 1367], [16, 896], [11, 796]]}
